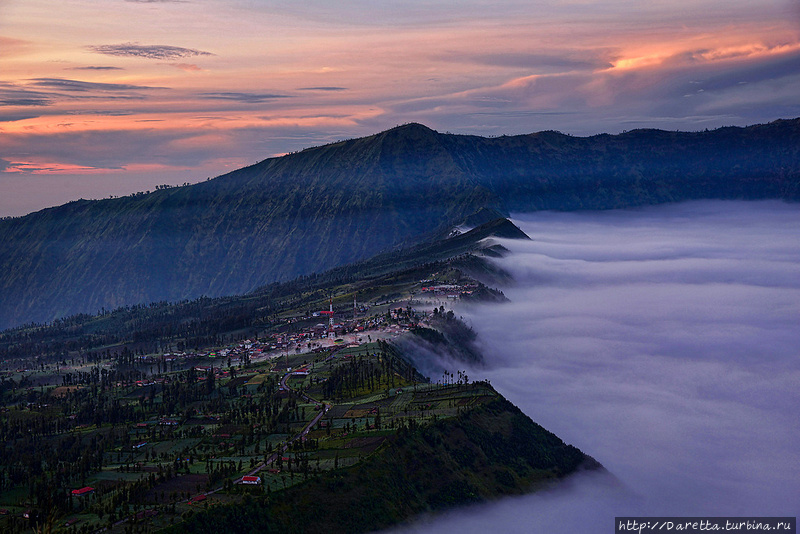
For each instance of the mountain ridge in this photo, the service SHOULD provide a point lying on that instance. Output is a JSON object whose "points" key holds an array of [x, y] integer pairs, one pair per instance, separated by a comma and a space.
{"points": [[347, 201], [194, 322]]}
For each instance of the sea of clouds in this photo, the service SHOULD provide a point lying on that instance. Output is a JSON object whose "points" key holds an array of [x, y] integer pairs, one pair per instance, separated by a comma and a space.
{"points": [[665, 343]]}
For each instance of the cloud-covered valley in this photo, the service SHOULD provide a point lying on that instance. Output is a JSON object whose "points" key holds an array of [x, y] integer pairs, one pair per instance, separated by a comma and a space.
{"points": [[665, 343]]}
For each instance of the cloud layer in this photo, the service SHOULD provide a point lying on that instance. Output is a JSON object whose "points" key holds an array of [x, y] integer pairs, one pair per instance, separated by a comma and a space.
{"points": [[664, 343]]}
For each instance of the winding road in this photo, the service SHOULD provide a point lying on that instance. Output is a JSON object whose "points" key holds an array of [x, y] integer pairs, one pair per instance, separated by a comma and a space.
{"points": [[300, 435]]}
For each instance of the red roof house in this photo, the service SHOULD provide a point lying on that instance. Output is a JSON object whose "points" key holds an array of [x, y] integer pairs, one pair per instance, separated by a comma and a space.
{"points": [[83, 491]]}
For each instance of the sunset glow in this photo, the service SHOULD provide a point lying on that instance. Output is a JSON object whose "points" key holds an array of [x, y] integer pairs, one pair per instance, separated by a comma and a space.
{"points": [[136, 86]]}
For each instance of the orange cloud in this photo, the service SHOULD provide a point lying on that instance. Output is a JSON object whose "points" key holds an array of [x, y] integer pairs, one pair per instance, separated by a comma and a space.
{"points": [[11, 47], [39, 167], [188, 67], [709, 49]]}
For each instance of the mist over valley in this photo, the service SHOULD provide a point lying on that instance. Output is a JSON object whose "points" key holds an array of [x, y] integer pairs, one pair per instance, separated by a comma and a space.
{"points": [[664, 342]]}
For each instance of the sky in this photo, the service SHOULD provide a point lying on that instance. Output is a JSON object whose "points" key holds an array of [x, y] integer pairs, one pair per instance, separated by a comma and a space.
{"points": [[110, 97], [664, 343]]}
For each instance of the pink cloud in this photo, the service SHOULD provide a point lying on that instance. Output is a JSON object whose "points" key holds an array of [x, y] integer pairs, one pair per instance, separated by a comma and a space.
{"points": [[188, 67]]}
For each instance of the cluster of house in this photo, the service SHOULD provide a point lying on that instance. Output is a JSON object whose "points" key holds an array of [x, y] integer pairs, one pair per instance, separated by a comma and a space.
{"points": [[238, 352], [313, 338], [450, 291]]}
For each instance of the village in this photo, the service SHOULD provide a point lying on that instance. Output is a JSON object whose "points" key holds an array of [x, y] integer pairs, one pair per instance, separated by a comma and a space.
{"points": [[323, 389], [319, 331]]}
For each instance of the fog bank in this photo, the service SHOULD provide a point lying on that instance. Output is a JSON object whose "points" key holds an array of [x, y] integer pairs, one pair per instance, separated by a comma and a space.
{"points": [[664, 342]]}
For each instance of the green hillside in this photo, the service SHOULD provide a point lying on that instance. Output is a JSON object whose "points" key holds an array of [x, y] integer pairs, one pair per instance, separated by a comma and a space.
{"points": [[488, 451], [250, 410]]}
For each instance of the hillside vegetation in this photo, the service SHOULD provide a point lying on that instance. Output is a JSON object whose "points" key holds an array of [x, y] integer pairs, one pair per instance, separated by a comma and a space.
{"points": [[258, 410], [332, 205], [488, 451], [207, 321]]}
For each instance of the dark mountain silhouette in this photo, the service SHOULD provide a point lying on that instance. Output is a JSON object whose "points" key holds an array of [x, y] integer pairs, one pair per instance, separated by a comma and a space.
{"points": [[336, 204]]}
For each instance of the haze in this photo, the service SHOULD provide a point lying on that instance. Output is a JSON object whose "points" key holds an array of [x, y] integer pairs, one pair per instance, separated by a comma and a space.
{"points": [[661, 341], [108, 98]]}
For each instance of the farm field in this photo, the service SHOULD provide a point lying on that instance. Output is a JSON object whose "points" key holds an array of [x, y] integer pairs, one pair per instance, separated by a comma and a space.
{"points": [[127, 443]]}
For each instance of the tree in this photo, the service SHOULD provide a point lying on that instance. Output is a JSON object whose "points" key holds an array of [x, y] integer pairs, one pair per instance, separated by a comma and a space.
{"points": [[210, 381]]}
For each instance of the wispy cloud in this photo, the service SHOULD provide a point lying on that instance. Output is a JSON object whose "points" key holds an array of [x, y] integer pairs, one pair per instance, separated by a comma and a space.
{"points": [[102, 112], [245, 98], [24, 102], [11, 47], [23, 99], [777, 67], [13, 95], [30, 167], [188, 67], [553, 61], [82, 86], [147, 51], [670, 89], [96, 67], [322, 89]]}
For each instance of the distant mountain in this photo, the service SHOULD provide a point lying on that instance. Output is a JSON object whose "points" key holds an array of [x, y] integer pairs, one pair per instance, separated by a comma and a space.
{"points": [[332, 205]]}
